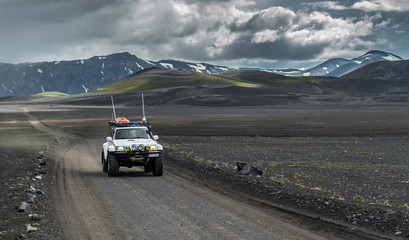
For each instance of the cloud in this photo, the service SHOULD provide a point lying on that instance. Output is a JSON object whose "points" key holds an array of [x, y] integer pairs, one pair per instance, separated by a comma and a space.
{"points": [[265, 36], [382, 5], [327, 5], [195, 30], [365, 5], [281, 34]]}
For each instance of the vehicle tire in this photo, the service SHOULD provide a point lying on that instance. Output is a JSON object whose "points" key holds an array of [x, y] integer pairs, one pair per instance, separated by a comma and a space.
{"points": [[113, 165], [158, 167], [149, 166], [104, 163]]}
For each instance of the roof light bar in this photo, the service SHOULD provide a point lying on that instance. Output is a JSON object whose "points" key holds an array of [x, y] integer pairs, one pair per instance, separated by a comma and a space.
{"points": [[126, 124]]}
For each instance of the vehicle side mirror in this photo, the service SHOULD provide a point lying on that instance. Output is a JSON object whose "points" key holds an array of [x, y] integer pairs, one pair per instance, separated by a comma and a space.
{"points": [[109, 139], [155, 137]]}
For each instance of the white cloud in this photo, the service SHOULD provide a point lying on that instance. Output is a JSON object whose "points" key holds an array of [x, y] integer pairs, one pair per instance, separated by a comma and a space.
{"points": [[366, 5], [205, 30], [335, 35], [220, 30], [382, 5], [265, 36], [244, 3], [327, 4]]}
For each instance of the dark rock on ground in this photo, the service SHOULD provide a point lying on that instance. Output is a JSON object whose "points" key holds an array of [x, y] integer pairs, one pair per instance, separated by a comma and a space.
{"points": [[15, 176], [247, 169], [24, 207], [35, 217]]}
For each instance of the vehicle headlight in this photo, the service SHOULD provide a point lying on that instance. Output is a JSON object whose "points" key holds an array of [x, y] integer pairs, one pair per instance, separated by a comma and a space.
{"points": [[120, 148], [151, 147], [139, 147]]}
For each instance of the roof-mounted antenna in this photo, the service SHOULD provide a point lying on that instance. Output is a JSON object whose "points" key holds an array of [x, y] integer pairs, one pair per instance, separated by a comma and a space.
{"points": [[143, 110], [113, 108]]}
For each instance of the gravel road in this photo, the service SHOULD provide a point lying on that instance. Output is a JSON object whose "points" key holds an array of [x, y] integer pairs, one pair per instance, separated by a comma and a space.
{"points": [[201, 196], [87, 204], [136, 205]]}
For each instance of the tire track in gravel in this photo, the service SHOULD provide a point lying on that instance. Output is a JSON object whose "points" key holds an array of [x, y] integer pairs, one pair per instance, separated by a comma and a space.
{"points": [[83, 211], [38, 125], [135, 205], [172, 207]]}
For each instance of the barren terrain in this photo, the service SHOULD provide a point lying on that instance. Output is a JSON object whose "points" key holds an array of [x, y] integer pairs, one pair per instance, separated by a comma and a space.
{"points": [[331, 171]]}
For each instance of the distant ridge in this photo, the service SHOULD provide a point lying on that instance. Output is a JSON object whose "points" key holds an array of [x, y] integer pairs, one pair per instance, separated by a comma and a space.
{"points": [[81, 76], [384, 70], [338, 67], [255, 88]]}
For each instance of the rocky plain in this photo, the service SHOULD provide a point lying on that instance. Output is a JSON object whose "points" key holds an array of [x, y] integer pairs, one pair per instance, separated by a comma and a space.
{"points": [[338, 164]]}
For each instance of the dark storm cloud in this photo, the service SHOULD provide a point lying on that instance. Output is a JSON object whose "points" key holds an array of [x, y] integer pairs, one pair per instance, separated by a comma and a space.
{"points": [[364, 5], [23, 13], [272, 18], [204, 1], [280, 49], [281, 34], [43, 28], [198, 30]]}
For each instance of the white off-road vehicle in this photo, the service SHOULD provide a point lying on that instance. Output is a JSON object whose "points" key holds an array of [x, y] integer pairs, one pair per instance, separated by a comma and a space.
{"points": [[131, 144]]}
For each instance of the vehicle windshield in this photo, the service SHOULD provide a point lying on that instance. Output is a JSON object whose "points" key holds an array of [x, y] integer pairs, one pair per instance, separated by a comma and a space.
{"points": [[131, 133]]}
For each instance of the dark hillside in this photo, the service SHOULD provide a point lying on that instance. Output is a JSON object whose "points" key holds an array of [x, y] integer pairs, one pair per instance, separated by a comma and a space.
{"points": [[385, 70]]}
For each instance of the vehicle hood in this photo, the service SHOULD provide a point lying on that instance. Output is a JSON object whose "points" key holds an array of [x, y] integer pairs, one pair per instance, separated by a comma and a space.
{"points": [[130, 142]]}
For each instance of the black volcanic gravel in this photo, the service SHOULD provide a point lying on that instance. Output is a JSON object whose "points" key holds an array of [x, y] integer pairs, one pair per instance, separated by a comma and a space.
{"points": [[363, 181]]}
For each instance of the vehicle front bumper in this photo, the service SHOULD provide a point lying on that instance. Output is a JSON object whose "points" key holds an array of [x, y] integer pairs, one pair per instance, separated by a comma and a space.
{"points": [[136, 154]]}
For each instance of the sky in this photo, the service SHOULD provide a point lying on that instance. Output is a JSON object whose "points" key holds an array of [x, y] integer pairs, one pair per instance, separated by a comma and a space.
{"points": [[234, 33]]}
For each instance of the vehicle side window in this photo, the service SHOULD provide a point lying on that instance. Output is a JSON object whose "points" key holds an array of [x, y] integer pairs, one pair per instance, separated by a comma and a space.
{"points": [[112, 133], [149, 133], [119, 134]]}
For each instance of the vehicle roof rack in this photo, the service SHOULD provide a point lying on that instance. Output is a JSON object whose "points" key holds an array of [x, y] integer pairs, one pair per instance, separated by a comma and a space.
{"points": [[127, 124], [124, 122]]}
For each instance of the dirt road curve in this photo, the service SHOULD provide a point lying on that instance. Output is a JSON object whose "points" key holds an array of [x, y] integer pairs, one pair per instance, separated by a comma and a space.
{"points": [[136, 205]]}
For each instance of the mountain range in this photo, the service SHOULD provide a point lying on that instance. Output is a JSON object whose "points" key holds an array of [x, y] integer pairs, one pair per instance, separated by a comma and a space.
{"points": [[337, 67], [163, 86], [81, 76]]}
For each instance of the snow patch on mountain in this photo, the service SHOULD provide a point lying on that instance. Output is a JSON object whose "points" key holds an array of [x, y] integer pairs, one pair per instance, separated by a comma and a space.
{"points": [[391, 58], [149, 62], [85, 88], [223, 68], [166, 65], [198, 67], [139, 66], [338, 67]]}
